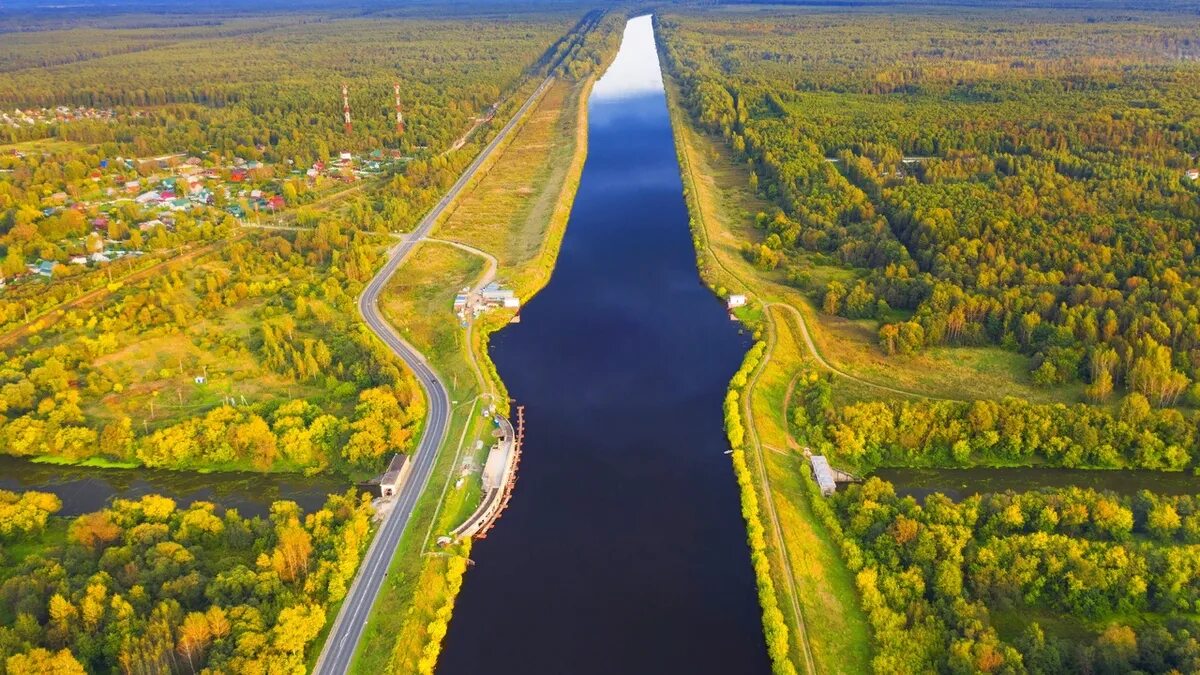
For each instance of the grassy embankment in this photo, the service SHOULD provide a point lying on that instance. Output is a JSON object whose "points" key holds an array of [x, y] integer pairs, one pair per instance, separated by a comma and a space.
{"points": [[807, 575], [516, 211]]}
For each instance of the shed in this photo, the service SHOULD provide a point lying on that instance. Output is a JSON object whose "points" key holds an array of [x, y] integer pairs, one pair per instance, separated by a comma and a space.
{"points": [[735, 301], [393, 478], [823, 473]]}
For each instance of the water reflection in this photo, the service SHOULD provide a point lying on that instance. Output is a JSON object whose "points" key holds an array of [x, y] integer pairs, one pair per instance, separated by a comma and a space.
{"points": [[87, 489]]}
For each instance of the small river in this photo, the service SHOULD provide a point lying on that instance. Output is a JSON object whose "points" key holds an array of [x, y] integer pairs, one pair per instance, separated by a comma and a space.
{"points": [[961, 483], [623, 549], [87, 489]]}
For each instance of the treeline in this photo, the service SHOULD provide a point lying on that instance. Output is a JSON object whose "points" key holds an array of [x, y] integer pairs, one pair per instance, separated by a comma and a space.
{"points": [[1018, 194], [934, 579], [985, 432], [143, 586], [276, 95]]}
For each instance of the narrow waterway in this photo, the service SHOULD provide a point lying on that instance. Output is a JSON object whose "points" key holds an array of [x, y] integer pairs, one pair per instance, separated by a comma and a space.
{"points": [[85, 489], [962, 483], [623, 549]]}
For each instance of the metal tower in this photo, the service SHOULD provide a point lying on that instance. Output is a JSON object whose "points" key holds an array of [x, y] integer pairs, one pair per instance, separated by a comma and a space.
{"points": [[399, 115], [346, 106]]}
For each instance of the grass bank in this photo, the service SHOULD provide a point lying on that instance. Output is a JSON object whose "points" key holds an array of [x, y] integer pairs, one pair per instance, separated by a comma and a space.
{"points": [[797, 564]]}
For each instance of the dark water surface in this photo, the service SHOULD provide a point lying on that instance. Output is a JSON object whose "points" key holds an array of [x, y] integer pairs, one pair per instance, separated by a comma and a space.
{"points": [[961, 483], [623, 549], [87, 489]]}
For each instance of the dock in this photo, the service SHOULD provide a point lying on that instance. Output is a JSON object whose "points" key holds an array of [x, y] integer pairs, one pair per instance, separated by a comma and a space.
{"points": [[499, 477]]}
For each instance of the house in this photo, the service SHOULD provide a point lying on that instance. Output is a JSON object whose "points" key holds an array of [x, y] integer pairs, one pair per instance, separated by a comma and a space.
{"points": [[735, 301], [275, 202], [150, 225], [180, 204], [79, 260], [44, 268], [823, 473], [151, 197], [460, 301], [99, 257], [237, 175], [1193, 174], [132, 186]]}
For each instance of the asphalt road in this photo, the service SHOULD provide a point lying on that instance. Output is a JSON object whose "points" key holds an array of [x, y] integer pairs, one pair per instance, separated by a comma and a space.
{"points": [[339, 648]]}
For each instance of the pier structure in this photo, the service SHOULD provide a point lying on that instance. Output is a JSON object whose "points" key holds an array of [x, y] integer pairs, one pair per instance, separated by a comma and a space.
{"points": [[498, 477]]}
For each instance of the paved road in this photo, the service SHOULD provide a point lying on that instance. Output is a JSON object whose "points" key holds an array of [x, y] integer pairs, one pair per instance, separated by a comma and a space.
{"points": [[343, 639]]}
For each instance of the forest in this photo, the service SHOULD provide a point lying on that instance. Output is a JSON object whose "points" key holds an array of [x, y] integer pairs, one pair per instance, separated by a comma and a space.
{"points": [[144, 586], [1027, 184], [945, 183]]}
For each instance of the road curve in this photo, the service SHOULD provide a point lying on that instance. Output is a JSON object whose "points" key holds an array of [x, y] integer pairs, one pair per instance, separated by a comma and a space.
{"points": [[338, 651]]}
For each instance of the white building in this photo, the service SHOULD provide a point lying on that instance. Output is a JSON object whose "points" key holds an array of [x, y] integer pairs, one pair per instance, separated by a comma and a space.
{"points": [[824, 474], [735, 301]]}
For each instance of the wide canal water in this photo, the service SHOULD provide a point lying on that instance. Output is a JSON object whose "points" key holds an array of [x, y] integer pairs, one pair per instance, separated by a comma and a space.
{"points": [[623, 549], [87, 489]]}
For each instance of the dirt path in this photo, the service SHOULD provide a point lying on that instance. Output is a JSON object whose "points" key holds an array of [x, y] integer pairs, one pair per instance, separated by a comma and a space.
{"points": [[768, 497], [816, 354]]}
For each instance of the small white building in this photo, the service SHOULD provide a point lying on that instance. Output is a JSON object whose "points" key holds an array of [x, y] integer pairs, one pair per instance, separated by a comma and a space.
{"points": [[393, 479], [823, 473], [1193, 174], [736, 300], [495, 294]]}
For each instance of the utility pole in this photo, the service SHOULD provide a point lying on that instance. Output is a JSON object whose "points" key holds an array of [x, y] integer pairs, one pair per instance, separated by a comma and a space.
{"points": [[399, 114]]}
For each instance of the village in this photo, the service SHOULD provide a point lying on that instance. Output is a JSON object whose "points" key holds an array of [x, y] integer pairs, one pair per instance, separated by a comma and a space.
{"points": [[117, 208], [57, 115]]}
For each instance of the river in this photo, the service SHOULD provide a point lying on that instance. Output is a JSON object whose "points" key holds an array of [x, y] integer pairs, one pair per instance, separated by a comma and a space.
{"points": [[86, 489], [623, 549], [960, 483]]}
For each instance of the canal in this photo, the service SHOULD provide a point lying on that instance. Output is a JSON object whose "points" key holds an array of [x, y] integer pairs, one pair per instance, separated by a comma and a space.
{"points": [[86, 489], [623, 549]]}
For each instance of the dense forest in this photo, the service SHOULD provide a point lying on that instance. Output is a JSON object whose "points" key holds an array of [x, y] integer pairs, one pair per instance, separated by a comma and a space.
{"points": [[146, 587], [1026, 184], [982, 585]]}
